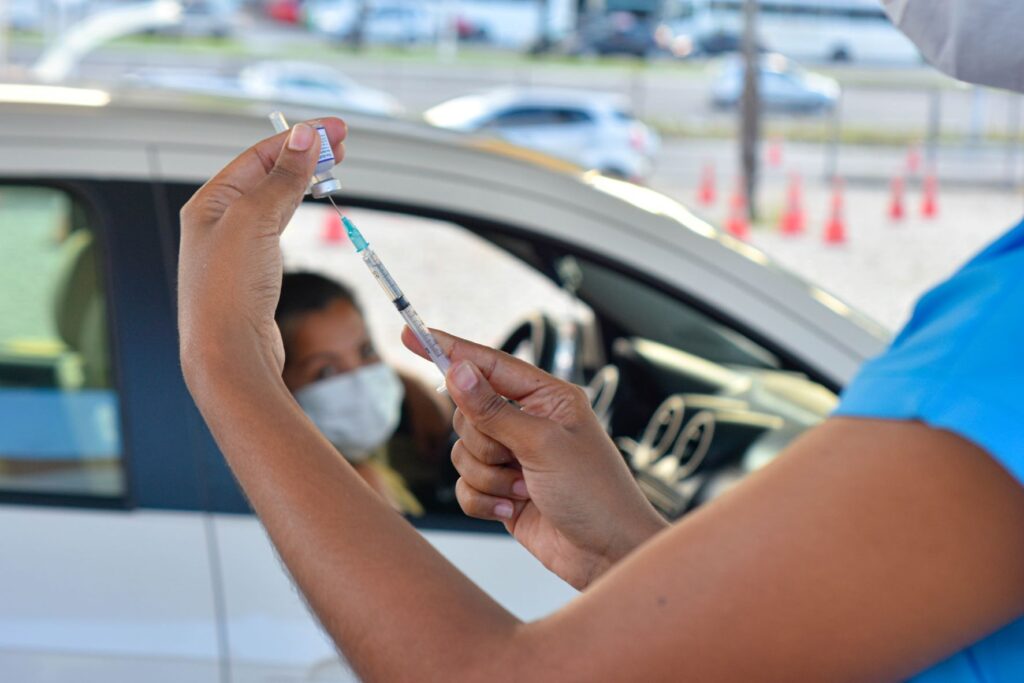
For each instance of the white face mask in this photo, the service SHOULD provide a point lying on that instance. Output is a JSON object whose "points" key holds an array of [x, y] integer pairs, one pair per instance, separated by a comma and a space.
{"points": [[357, 411], [977, 41]]}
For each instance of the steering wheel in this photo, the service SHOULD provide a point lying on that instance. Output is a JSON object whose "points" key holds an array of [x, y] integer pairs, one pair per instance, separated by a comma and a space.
{"points": [[535, 340]]}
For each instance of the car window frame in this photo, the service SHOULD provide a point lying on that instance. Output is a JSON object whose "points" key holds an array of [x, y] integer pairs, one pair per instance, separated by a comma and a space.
{"points": [[87, 202]]}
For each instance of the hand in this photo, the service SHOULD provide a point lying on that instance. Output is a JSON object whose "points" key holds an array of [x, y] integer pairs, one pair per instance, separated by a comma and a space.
{"points": [[229, 270], [547, 470]]}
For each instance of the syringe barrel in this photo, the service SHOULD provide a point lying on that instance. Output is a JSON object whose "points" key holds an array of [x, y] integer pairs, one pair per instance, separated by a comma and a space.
{"points": [[382, 275], [426, 339]]}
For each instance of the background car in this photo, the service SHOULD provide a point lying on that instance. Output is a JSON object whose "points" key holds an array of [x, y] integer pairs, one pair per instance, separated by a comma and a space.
{"points": [[618, 33], [303, 83], [129, 552], [784, 86], [315, 85], [388, 23], [591, 129], [204, 19]]}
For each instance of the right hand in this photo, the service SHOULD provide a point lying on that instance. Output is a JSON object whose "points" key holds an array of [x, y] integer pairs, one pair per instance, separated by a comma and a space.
{"points": [[548, 471]]}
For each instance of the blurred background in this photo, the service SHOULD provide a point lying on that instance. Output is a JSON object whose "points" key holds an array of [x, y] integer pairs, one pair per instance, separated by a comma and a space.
{"points": [[866, 171]]}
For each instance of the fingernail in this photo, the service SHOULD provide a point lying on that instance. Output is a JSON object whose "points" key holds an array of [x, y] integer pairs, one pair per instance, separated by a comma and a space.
{"points": [[300, 138], [519, 488], [504, 510], [463, 376]]}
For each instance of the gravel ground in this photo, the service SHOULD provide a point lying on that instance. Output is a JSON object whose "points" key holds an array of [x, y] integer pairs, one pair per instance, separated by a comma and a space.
{"points": [[885, 265]]}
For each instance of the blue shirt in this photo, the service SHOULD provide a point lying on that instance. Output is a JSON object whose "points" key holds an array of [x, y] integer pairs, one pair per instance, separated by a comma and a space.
{"points": [[958, 365]]}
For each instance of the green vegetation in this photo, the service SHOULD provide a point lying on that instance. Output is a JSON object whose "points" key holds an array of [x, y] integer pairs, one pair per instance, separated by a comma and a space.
{"points": [[304, 46]]}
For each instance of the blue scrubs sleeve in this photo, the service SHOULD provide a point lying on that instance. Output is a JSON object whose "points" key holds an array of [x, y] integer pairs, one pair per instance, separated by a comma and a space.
{"points": [[958, 364]]}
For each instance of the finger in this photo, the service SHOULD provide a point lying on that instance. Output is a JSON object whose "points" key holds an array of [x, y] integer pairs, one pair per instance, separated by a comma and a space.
{"points": [[510, 376], [250, 167], [494, 480], [483, 506], [491, 413], [282, 189], [483, 447]]}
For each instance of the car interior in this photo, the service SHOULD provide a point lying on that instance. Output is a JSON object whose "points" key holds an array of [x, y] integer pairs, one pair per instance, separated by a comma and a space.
{"points": [[692, 403]]}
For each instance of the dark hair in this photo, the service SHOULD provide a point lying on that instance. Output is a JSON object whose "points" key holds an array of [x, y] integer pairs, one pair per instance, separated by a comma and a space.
{"points": [[307, 292]]}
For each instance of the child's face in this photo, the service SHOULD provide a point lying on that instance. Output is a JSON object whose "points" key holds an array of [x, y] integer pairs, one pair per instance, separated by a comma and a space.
{"points": [[319, 344]]}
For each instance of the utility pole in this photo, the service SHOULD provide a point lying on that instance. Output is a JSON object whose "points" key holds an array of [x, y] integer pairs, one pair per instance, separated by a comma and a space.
{"points": [[543, 43], [750, 109], [357, 36]]}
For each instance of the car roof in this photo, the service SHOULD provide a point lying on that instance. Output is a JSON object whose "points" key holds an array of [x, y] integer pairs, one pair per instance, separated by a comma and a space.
{"points": [[412, 166], [554, 97]]}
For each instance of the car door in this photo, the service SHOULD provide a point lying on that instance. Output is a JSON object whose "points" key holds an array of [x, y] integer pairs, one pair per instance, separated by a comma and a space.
{"points": [[105, 571]]}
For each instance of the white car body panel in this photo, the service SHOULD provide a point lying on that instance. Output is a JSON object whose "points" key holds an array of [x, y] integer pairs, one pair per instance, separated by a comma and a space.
{"points": [[68, 610], [271, 635]]}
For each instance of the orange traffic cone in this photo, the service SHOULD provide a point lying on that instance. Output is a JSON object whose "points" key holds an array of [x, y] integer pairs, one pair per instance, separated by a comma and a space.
{"points": [[738, 223], [896, 211], [774, 155], [793, 221], [706, 191], [835, 229], [333, 231], [930, 198], [913, 159]]}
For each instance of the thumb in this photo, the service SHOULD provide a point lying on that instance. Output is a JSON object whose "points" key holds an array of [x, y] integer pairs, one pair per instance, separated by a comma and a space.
{"points": [[488, 411], [510, 376], [286, 182]]}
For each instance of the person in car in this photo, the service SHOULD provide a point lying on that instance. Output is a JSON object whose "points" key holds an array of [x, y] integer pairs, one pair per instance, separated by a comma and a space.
{"points": [[391, 428], [886, 544]]}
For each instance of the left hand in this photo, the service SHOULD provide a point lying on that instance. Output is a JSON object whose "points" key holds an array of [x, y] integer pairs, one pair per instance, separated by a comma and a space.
{"points": [[229, 267]]}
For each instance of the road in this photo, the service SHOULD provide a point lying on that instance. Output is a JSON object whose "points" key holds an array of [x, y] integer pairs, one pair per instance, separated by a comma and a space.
{"points": [[887, 102]]}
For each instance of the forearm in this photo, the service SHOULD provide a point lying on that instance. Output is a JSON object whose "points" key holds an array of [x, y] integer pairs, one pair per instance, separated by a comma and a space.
{"points": [[369, 577]]}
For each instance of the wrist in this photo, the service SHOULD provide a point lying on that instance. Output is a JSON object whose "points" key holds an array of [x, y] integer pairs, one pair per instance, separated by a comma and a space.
{"points": [[634, 532], [214, 364]]}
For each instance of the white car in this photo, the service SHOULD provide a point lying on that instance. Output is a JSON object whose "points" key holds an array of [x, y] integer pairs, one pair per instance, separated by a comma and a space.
{"points": [[784, 86], [309, 84], [593, 130], [387, 22], [129, 553], [315, 85]]}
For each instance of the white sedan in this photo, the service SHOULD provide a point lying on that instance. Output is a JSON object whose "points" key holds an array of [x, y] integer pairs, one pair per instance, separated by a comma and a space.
{"points": [[308, 84], [129, 553], [591, 129]]}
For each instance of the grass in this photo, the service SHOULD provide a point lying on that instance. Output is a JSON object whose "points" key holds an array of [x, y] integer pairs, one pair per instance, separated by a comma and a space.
{"points": [[821, 132], [473, 56]]}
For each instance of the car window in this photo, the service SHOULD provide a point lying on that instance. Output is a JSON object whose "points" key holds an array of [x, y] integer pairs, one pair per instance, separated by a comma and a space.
{"points": [[527, 116], [570, 115], [456, 281], [59, 411], [310, 84], [648, 312]]}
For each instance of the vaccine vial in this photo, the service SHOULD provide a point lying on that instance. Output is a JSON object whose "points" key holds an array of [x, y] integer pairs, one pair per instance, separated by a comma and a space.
{"points": [[324, 183]]}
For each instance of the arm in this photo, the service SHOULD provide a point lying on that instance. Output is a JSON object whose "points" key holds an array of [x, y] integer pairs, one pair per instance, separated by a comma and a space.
{"points": [[868, 551]]}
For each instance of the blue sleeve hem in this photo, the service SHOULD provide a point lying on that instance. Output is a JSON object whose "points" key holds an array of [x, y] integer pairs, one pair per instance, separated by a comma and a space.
{"points": [[988, 423]]}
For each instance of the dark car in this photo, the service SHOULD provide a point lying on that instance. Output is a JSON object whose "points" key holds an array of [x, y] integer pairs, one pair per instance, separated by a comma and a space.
{"points": [[619, 33]]}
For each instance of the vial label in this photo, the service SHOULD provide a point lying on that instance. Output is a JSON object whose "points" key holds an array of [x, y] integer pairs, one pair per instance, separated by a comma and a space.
{"points": [[326, 160]]}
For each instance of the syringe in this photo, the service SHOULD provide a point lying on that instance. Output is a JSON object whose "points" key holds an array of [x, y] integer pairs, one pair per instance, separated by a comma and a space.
{"points": [[405, 309]]}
